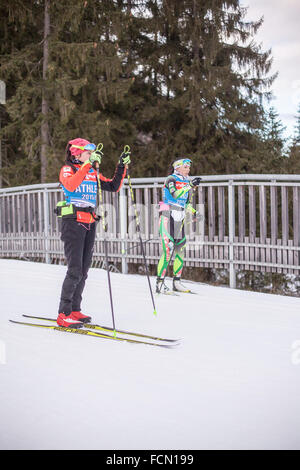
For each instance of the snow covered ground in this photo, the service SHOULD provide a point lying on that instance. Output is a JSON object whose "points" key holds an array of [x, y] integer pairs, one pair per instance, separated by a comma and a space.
{"points": [[233, 383]]}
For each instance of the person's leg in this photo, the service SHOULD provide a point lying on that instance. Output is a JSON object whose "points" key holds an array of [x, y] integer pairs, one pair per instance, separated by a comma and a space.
{"points": [[178, 259], [179, 250], [165, 243], [73, 236], [87, 256]]}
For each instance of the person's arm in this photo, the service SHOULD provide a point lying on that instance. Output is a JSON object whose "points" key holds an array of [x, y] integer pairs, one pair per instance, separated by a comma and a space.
{"points": [[170, 184], [71, 180], [114, 184], [176, 193]]}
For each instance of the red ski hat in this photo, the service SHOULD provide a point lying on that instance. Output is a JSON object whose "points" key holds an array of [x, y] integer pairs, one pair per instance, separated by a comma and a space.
{"points": [[77, 146]]}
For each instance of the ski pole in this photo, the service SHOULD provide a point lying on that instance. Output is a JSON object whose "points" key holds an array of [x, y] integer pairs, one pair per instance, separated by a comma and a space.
{"points": [[149, 240], [174, 246], [138, 244], [99, 148], [138, 229]]}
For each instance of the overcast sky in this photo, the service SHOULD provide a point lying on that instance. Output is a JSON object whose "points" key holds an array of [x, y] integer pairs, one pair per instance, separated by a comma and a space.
{"points": [[281, 32]]}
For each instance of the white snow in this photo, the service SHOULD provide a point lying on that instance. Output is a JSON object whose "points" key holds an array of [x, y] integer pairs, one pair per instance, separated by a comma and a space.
{"points": [[233, 383]]}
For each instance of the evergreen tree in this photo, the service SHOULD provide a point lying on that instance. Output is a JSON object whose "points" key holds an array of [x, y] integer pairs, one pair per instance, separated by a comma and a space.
{"points": [[216, 83], [90, 75], [19, 36], [274, 142], [296, 139], [294, 151], [204, 79], [68, 75], [171, 78]]}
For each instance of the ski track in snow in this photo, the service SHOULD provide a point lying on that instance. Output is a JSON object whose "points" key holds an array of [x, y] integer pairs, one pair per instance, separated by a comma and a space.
{"points": [[230, 384]]}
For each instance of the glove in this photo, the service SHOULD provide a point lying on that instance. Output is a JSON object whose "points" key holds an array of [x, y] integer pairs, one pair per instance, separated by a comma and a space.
{"points": [[125, 156], [195, 181], [190, 209], [96, 156]]}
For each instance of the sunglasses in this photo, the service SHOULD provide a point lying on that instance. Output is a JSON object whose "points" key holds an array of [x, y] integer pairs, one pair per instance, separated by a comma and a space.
{"points": [[183, 162], [91, 147]]}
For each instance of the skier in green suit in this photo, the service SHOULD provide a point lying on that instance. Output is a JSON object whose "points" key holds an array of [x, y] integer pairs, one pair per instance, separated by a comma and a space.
{"points": [[173, 208]]}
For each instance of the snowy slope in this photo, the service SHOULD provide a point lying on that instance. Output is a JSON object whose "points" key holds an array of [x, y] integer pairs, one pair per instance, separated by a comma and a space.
{"points": [[231, 384]]}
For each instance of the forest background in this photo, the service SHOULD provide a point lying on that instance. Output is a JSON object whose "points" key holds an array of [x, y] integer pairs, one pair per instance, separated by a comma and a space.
{"points": [[170, 78]]}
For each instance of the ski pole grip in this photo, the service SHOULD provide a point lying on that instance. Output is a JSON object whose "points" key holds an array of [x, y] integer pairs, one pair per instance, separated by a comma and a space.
{"points": [[98, 149]]}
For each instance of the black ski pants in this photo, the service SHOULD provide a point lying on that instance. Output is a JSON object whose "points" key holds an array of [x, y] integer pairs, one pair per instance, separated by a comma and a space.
{"points": [[78, 241]]}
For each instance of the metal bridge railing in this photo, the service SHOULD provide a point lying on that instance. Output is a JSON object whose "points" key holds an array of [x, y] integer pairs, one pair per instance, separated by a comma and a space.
{"points": [[251, 222]]}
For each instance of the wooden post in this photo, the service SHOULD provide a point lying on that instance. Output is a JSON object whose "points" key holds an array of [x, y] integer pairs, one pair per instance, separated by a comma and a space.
{"points": [[274, 224], [221, 221], [296, 224], [242, 223], [252, 225], [123, 227], [262, 223], [285, 224], [211, 220], [231, 229], [46, 226]]}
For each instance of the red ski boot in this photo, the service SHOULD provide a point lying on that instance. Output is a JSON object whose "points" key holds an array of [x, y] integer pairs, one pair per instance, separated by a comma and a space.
{"points": [[67, 321], [78, 316]]}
